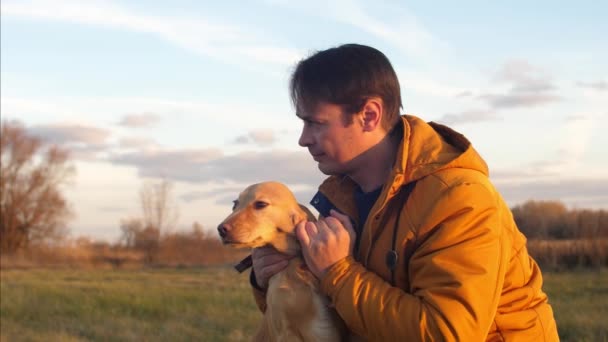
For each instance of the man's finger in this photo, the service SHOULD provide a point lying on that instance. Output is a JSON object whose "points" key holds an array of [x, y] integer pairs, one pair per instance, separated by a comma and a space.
{"points": [[302, 234], [345, 220], [332, 223], [313, 228]]}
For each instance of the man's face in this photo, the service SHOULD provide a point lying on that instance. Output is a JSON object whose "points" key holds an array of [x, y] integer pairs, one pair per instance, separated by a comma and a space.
{"points": [[332, 140]]}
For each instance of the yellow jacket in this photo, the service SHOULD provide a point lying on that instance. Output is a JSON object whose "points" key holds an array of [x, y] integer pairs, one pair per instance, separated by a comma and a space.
{"points": [[462, 272]]}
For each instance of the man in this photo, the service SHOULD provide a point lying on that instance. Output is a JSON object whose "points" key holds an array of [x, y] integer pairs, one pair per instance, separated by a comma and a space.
{"points": [[414, 242]]}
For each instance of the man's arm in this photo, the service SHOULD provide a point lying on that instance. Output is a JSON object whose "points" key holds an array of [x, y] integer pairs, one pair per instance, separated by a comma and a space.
{"points": [[456, 276]]}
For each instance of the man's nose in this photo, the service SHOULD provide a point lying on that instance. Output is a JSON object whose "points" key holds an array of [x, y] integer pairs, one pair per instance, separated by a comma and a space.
{"points": [[305, 138]]}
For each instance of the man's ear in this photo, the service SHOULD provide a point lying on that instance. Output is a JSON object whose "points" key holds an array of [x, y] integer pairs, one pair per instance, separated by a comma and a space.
{"points": [[372, 113]]}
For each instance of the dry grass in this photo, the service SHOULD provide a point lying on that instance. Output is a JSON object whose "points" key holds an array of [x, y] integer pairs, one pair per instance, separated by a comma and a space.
{"points": [[569, 254], [173, 251], [73, 255]]}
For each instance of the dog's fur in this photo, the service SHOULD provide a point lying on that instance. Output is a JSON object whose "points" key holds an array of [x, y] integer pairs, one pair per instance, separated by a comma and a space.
{"points": [[266, 214]]}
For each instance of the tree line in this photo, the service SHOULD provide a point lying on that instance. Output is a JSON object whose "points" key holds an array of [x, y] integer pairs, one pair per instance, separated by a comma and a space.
{"points": [[551, 220]]}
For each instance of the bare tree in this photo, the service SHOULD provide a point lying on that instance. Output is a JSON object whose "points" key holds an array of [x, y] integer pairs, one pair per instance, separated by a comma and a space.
{"points": [[197, 230], [130, 228], [157, 205], [159, 216], [32, 206]]}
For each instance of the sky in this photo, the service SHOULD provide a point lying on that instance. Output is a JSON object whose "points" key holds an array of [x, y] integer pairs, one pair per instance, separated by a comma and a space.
{"points": [[195, 92]]}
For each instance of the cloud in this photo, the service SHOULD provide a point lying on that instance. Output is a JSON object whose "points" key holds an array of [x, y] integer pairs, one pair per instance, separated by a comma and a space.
{"points": [[259, 137], [575, 117], [470, 116], [599, 85], [389, 22], [83, 142], [465, 93], [211, 165], [139, 120], [530, 86], [576, 139], [512, 100], [71, 134], [204, 36], [112, 209], [137, 143], [553, 180], [533, 171], [524, 76], [421, 82], [574, 192], [193, 196], [212, 113], [181, 164], [418, 38]]}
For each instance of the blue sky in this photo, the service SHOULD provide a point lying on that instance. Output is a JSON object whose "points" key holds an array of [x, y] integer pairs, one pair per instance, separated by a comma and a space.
{"points": [[196, 91]]}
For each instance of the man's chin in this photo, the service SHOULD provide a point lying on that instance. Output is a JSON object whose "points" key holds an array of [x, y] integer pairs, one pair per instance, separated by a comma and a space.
{"points": [[328, 170]]}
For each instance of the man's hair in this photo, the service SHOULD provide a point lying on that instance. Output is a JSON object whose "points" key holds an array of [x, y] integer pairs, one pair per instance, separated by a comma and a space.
{"points": [[347, 75]]}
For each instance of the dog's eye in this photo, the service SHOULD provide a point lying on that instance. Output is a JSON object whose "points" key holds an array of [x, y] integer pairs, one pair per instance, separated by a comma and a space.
{"points": [[235, 203], [260, 205]]}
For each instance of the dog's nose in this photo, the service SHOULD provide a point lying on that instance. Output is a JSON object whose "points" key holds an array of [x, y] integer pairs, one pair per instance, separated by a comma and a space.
{"points": [[223, 229]]}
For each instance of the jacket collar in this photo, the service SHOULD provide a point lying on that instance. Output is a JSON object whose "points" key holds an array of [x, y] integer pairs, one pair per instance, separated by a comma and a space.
{"points": [[425, 148]]}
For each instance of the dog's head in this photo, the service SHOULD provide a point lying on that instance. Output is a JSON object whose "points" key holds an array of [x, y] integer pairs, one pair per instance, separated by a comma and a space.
{"points": [[264, 214]]}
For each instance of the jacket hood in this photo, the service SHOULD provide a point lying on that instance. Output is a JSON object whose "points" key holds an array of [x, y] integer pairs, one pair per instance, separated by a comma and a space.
{"points": [[427, 148]]}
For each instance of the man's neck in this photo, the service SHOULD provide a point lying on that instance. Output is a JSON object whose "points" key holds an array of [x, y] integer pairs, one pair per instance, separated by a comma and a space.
{"points": [[375, 165]]}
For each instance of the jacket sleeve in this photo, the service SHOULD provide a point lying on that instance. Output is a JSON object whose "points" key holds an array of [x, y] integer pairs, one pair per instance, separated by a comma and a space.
{"points": [[456, 275]]}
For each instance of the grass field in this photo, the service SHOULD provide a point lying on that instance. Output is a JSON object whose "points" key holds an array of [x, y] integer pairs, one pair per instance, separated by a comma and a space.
{"points": [[211, 304]]}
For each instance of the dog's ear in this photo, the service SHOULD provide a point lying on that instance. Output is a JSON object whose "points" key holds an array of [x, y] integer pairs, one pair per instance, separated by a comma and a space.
{"points": [[302, 214], [309, 215]]}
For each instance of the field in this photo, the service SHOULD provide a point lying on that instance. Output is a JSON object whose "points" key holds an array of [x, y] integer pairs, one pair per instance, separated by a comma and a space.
{"points": [[206, 304]]}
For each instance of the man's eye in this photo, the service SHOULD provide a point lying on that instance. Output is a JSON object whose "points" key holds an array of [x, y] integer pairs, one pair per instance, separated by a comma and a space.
{"points": [[260, 204], [234, 204], [311, 123]]}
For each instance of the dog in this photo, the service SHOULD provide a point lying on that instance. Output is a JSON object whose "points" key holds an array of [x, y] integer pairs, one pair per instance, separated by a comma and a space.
{"points": [[267, 214]]}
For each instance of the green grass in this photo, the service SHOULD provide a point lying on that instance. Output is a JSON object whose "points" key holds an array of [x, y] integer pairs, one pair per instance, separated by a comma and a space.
{"points": [[211, 304], [580, 304], [214, 304]]}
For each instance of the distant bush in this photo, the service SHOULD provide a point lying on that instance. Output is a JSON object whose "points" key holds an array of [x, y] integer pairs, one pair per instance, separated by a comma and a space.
{"points": [[569, 254], [552, 220], [559, 238], [179, 249], [80, 253]]}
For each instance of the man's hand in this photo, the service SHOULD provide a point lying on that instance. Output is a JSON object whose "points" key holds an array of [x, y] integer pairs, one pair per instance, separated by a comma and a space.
{"points": [[267, 262], [326, 242]]}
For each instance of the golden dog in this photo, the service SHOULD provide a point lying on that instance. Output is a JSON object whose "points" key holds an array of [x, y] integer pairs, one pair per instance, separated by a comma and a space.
{"points": [[267, 214]]}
